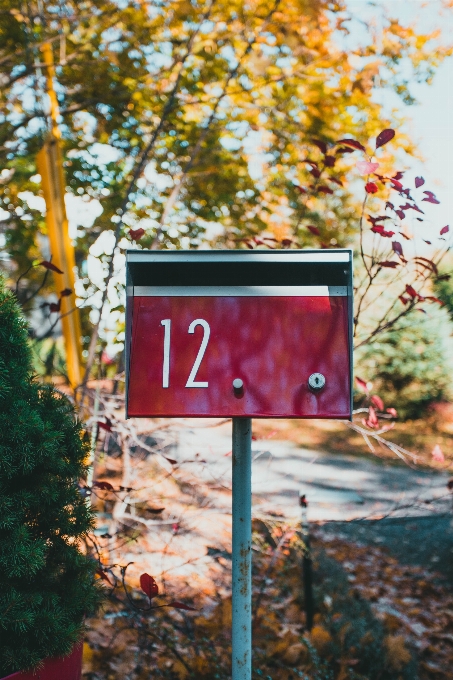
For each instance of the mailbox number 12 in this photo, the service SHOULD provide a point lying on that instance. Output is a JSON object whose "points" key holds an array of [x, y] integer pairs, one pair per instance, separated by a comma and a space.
{"points": [[191, 382]]}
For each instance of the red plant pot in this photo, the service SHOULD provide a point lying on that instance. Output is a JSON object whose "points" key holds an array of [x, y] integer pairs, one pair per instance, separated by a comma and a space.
{"points": [[68, 668]]}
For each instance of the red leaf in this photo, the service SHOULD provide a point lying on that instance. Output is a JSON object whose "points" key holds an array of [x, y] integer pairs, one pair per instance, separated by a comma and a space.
{"points": [[314, 230], [389, 263], [411, 291], [336, 180], [378, 229], [371, 188], [384, 137], [419, 182], [301, 190], [171, 460], [106, 359], [351, 142], [49, 265], [380, 218], [149, 586], [444, 230], [248, 244], [366, 168], [389, 205], [315, 172], [286, 242], [66, 292], [437, 454], [408, 206], [428, 242], [329, 161], [181, 605], [136, 234], [103, 486], [103, 575], [343, 149], [372, 420], [175, 527], [55, 306], [400, 214], [324, 189], [396, 184], [399, 175], [393, 412], [434, 299], [322, 146], [361, 384], [430, 197], [403, 299], [105, 426], [377, 401], [397, 247], [444, 277]]}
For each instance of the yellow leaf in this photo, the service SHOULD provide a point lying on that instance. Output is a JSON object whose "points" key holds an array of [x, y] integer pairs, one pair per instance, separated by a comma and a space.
{"points": [[397, 653], [87, 658], [180, 670], [320, 638]]}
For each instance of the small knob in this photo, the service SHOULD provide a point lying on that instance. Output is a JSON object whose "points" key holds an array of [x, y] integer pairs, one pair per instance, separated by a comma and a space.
{"points": [[316, 381], [238, 384]]}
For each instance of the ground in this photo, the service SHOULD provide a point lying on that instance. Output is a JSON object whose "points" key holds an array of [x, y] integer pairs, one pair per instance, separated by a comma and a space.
{"points": [[175, 525]]}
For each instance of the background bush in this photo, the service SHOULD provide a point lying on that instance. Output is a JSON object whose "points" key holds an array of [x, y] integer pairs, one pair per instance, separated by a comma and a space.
{"points": [[411, 365]]}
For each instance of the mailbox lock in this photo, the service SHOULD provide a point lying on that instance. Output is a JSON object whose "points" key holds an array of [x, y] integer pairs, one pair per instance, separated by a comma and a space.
{"points": [[238, 384], [316, 381]]}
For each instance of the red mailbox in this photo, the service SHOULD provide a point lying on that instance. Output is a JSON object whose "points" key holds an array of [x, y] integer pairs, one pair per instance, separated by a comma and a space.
{"points": [[277, 324]]}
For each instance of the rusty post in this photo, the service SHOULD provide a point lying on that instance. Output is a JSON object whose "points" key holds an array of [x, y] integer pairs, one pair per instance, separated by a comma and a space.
{"points": [[242, 549]]}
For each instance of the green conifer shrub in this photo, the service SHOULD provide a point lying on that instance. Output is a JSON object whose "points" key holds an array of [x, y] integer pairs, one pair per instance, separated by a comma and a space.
{"points": [[46, 581]]}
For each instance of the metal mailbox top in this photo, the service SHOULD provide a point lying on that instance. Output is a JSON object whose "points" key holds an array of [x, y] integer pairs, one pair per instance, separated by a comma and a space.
{"points": [[278, 322]]}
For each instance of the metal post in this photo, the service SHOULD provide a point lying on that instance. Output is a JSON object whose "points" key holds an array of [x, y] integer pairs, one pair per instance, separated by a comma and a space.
{"points": [[242, 549], [307, 564]]}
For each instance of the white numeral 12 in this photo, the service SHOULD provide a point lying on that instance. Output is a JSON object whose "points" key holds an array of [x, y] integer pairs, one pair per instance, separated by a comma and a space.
{"points": [[191, 382]]}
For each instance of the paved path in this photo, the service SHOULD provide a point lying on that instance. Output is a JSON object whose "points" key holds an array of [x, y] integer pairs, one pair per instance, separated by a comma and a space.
{"points": [[338, 487]]}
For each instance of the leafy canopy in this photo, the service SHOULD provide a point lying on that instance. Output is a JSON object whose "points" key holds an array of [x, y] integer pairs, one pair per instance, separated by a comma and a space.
{"points": [[185, 118]]}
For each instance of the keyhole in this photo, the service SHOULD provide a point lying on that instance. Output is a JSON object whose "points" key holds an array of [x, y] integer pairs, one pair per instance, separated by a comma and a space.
{"points": [[316, 381]]}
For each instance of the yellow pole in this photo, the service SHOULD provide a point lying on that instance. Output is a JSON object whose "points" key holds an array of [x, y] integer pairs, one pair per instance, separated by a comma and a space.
{"points": [[50, 167]]}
